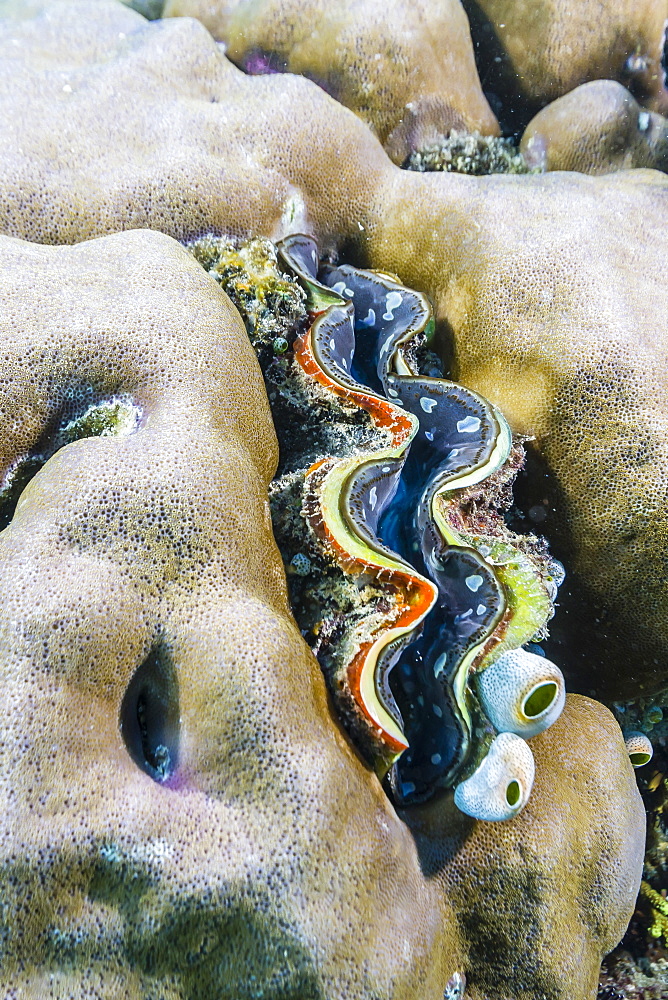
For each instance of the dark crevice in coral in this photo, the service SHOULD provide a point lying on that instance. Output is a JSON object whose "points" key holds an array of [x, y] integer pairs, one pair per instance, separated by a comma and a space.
{"points": [[149, 716], [150, 9], [497, 76]]}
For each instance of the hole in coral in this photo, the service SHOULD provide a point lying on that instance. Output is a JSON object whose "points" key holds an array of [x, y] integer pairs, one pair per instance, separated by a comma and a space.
{"points": [[115, 416], [149, 717], [513, 793], [540, 699]]}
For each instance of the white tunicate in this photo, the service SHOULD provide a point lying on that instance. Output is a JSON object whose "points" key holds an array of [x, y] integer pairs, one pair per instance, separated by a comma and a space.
{"points": [[521, 692], [500, 786], [639, 748]]}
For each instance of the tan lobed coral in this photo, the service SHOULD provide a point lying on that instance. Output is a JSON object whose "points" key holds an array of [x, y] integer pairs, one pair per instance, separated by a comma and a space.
{"points": [[548, 289], [161, 129], [538, 50], [180, 815], [596, 128], [545, 889], [407, 70]]}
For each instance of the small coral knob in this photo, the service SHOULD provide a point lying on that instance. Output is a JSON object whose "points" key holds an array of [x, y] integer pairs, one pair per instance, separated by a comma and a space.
{"points": [[521, 693], [639, 748], [500, 787]]}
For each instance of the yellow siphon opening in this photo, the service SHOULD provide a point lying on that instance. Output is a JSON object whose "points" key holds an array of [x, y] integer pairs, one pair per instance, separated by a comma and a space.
{"points": [[513, 793], [638, 759], [540, 699]]}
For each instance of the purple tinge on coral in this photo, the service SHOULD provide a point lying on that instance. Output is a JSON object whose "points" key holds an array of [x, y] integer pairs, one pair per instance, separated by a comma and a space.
{"points": [[259, 63]]}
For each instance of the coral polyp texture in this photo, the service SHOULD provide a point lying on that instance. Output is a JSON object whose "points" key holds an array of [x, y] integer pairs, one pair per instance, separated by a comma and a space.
{"points": [[596, 128], [180, 813], [407, 70], [547, 291]]}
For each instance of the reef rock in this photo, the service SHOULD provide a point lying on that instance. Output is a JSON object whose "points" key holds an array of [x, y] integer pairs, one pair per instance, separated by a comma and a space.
{"points": [[180, 815], [548, 290], [596, 128], [538, 50], [565, 877], [407, 70]]}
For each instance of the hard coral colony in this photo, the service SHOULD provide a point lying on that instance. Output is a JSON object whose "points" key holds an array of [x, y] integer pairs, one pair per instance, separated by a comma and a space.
{"points": [[193, 806]]}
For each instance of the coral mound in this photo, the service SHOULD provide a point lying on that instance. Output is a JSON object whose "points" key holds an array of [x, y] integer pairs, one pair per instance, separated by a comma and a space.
{"points": [[596, 128], [406, 69], [539, 50], [530, 917], [180, 816]]}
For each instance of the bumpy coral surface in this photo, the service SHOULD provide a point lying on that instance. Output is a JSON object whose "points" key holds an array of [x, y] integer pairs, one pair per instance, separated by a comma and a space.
{"points": [[250, 827], [407, 69], [548, 291], [538, 50], [181, 817], [596, 128], [544, 889]]}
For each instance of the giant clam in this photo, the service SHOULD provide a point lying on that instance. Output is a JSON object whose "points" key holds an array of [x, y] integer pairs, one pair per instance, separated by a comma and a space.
{"points": [[436, 686]]}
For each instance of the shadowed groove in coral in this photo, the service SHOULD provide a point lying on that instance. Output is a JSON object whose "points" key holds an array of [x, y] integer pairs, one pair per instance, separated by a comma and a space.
{"points": [[149, 716]]}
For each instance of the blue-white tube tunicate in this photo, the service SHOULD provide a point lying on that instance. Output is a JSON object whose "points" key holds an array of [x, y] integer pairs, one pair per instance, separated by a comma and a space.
{"points": [[499, 788], [521, 693]]}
